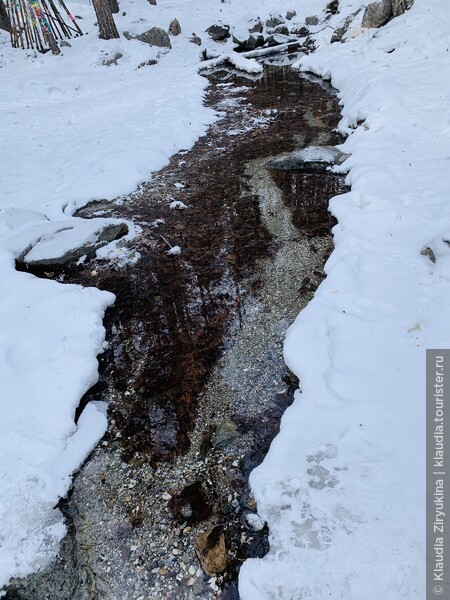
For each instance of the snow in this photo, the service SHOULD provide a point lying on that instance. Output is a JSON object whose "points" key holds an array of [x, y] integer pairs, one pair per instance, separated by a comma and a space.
{"points": [[177, 205], [174, 251], [343, 486]]}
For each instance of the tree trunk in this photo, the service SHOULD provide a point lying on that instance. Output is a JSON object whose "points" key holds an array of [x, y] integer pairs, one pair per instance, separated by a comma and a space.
{"points": [[107, 27], [114, 5], [5, 23]]}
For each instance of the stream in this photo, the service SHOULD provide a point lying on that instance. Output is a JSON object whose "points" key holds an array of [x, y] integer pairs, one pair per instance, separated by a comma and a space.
{"points": [[194, 372]]}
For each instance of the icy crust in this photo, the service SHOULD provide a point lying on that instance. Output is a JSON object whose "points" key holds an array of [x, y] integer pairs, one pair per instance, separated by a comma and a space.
{"points": [[342, 488]]}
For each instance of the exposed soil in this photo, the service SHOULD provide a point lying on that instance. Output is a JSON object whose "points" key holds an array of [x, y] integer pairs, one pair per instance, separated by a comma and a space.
{"points": [[196, 347]]}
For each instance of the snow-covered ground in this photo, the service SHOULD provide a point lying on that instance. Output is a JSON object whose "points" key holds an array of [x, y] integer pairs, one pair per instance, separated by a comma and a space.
{"points": [[343, 485]]}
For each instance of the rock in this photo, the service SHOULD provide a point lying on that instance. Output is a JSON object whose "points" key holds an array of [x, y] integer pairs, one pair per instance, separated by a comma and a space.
{"points": [[194, 39], [247, 34], [218, 32], [127, 35], [428, 252], [65, 43], [226, 432], [114, 60], [311, 158], [283, 29], [290, 14], [339, 32], [377, 14], [255, 41], [175, 27], [5, 22], [333, 7], [314, 20], [211, 551], [274, 20], [255, 25], [301, 31], [400, 6], [43, 252], [153, 2], [155, 37]]}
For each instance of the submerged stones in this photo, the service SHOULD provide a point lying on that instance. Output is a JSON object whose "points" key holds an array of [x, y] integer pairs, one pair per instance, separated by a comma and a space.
{"points": [[211, 551]]}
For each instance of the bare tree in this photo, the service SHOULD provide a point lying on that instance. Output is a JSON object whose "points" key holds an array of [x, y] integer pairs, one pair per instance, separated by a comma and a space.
{"points": [[107, 27], [5, 23], [114, 6]]}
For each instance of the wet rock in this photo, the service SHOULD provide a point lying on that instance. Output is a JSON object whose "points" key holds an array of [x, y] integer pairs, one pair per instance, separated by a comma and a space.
{"points": [[175, 27], [290, 14], [192, 505], [194, 39], [313, 20], [377, 14], [311, 158], [300, 30], [211, 551], [274, 20], [156, 36], [225, 433], [218, 32]]}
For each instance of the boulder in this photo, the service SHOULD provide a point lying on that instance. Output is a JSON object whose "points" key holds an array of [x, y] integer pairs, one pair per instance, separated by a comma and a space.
{"points": [[313, 20], [218, 32], [290, 14], [247, 34], [274, 20], [300, 30], [283, 29], [175, 27], [377, 14], [155, 37]]}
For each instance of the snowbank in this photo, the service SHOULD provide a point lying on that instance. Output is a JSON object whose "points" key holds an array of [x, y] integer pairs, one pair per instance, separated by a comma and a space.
{"points": [[343, 485]]}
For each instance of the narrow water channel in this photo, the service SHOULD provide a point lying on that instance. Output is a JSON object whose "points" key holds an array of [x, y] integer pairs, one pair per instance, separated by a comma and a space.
{"points": [[194, 373]]}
